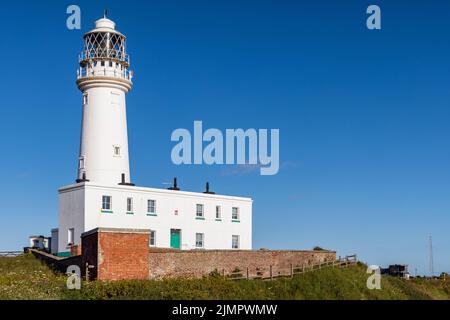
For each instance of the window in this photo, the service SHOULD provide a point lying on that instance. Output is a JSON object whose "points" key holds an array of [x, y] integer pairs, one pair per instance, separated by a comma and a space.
{"points": [[102, 63], [81, 163], [116, 151], [200, 211], [71, 236], [235, 242], [106, 203], [85, 99], [151, 206], [235, 213], [110, 63], [129, 205], [152, 238], [199, 240], [218, 213]]}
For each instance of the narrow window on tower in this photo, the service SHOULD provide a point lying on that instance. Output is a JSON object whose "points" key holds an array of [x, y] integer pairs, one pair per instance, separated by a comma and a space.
{"points": [[116, 151], [85, 99], [81, 163]]}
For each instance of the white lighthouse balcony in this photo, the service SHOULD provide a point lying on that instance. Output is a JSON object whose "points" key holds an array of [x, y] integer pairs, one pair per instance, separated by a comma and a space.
{"points": [[112, 72]]}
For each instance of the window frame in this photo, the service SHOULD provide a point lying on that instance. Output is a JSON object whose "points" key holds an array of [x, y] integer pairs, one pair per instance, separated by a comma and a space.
{"points": [[238, 216], [104, 208], [130, 204], [201, 241], [70, 236], [116, 148], [81, 163], [85, 98], [218, 212], [152, 236], [202, 211], [238, 239], [149, 212]]}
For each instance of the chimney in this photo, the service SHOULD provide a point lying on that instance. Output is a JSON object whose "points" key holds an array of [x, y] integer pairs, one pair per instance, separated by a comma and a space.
{"points": [[174, 187], [123, 183], [207, 189]]}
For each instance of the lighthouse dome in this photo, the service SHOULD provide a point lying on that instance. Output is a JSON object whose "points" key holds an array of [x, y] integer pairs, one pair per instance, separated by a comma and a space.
{"points": [[105, 25]]}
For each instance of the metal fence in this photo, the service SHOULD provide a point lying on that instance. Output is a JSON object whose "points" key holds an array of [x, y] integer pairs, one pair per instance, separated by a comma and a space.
{"points": [[10, 253]]}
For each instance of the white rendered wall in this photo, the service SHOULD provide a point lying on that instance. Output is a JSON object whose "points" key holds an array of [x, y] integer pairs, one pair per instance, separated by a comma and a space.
{"points": [[54, 242], [104, 127], [71, 215], [217, 234]]}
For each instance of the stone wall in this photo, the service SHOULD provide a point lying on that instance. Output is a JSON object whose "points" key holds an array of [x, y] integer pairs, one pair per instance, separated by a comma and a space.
{"points": [[196, 263]]}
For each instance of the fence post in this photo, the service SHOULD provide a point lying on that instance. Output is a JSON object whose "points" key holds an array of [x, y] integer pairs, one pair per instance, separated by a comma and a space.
{"points": [[292, 271], [247, 274], [303, 268], [87, 272], [271, 275]]}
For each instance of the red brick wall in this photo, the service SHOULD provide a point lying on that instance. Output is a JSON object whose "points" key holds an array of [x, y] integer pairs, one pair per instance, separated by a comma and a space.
{"points": [[117, 254], [170, 263]]}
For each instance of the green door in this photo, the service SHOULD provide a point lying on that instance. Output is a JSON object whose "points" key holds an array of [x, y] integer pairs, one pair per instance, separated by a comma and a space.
{"points": [[175, 240]]}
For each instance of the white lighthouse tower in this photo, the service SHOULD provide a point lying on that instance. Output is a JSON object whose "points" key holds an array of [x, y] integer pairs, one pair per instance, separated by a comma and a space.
{"points": [[104, 79], [103, 195]]}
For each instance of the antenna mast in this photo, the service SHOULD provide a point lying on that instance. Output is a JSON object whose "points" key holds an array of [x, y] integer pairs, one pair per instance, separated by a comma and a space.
{"points": [[431, 257]]}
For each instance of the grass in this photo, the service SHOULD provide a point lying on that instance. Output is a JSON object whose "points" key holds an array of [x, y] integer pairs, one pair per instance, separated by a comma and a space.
{"points": [[25, 277]]}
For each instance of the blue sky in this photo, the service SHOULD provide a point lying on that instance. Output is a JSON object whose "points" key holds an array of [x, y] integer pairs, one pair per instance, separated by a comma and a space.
{"points": [[363, 115]]}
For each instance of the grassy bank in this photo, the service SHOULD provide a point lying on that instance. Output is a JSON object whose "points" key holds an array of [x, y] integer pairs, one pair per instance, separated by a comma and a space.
{"points": [[26, 278]]}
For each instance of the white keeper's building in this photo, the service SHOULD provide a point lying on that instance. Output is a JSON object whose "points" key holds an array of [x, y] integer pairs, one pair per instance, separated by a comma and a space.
{"points": [[103, 195]]}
